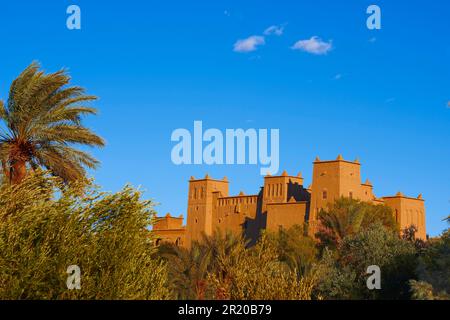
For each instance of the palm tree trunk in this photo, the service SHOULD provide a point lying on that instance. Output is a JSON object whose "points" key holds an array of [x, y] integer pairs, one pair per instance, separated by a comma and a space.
{"points": [[19, 172]]}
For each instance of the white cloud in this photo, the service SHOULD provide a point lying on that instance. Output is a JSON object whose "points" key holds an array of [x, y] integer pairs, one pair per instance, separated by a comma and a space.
{"points": [[276, 30], [315, 45], [249, 44]]}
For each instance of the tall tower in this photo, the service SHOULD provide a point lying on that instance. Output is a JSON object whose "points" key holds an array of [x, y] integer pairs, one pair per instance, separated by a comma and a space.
{"points": [[280, 189], [201, 206], [332, 180], [408, 211]]}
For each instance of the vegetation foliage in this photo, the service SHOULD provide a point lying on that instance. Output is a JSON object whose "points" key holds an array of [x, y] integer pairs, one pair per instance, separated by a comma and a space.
{"points": [[347, 216], [222, 267], [42, 124], [46, 226], [434, 270], [345, 272]]}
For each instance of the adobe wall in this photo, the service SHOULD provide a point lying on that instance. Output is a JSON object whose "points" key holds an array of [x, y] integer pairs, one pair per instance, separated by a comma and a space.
{"points": [[408, 211], [285, 215]]}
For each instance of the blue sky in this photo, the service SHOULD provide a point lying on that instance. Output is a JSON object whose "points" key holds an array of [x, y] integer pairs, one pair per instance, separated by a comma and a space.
{"points": [[379, 95]]}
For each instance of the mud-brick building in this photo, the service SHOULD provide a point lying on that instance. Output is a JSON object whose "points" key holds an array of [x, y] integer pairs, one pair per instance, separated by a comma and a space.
{"points": [[282, 201]]}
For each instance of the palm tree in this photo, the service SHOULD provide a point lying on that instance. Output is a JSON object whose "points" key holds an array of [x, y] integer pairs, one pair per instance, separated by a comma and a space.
{"points": [[348, 216], [295, 249], [189, 268], [223, 251], [42, 122]]}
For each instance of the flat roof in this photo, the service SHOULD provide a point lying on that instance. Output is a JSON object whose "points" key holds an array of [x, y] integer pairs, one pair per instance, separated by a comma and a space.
{"points": [[396, 196], [328, 161]]}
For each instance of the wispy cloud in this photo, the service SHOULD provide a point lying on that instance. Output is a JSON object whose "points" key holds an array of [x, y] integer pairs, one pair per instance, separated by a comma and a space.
{"points": [[372, 40], [315, 45], [338, 76], [274, 30], [249, 44]]}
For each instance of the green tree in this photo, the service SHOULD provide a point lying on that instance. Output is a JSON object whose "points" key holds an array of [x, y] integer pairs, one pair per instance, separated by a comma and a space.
{"points": [[189, 268], [46, 226], [344, 271], [256, 274], [421, 290], [434, 269], [222, 266], [295, 248], [188, 271], [41, 125], [347, 216]]}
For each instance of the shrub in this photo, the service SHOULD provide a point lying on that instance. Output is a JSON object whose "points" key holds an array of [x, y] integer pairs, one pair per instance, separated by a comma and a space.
{"points": [[46, 226], [434, 269], [223, 267], [343, 273]]}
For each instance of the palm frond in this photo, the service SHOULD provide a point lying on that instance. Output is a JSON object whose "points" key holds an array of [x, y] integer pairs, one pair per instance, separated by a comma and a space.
{"points": [[67, 133], [43, 118], [3, 111]]}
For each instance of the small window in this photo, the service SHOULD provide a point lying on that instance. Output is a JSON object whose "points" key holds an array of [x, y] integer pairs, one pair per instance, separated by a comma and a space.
{"points": [[350, 195], [196, 220], [324, 194]]}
